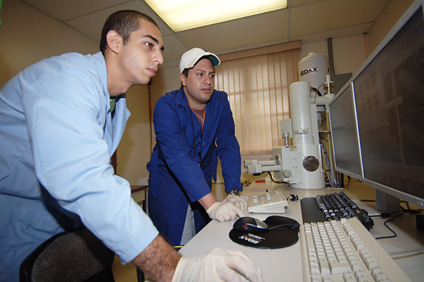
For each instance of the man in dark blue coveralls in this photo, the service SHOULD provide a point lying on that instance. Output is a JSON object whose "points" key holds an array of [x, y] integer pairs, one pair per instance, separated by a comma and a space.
{"points": [[194, 126]]}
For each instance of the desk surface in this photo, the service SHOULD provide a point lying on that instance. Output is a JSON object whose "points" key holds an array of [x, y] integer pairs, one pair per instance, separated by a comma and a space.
{"points": [[286, 263]]}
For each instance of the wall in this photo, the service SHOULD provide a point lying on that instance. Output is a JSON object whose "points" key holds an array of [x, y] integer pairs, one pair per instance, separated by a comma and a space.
{"points": [[348, 55], [166, 80], [387, 20], [134, 150], [27, 36], [348, 52]]}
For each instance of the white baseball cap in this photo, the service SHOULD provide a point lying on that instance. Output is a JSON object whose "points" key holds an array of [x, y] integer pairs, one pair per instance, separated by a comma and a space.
{"points": [[190, 58]]}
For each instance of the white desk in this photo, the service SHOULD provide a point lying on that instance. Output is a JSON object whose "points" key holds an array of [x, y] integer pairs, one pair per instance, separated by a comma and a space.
{"points": [[286, 264]]}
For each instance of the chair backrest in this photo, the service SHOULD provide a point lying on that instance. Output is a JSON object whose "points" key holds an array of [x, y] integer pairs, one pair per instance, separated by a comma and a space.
{"points": [[74, 256]]}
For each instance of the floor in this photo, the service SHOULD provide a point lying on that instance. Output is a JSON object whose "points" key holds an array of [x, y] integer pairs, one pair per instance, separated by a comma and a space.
{"points": [[124, 273]]}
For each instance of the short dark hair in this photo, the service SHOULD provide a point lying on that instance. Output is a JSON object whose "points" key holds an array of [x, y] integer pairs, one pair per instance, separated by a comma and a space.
{"points": [[124, 23], [185, 72]]}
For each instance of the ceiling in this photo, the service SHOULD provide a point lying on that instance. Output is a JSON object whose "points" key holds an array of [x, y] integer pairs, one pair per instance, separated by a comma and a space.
{"points": [[306, 20]]}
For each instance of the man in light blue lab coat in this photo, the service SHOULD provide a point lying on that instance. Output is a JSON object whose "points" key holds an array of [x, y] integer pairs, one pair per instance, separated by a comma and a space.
{"points": [[58, 130]]}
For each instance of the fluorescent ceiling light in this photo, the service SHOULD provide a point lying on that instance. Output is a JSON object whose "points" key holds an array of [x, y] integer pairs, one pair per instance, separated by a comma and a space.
{"points": [[186, 14]]}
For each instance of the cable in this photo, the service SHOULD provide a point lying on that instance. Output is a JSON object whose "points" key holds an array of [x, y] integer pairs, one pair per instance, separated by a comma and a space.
{"points": [[316, 90], [333, 182], [385, 224], [272, 179], [292, 225], [394, 215]]}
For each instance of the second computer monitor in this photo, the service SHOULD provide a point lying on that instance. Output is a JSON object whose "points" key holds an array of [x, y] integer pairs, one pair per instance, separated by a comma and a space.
{"points": [[344, 133]]}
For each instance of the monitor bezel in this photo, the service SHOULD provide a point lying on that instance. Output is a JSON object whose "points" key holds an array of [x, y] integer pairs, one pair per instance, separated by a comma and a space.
{"points": [[357, 176]]}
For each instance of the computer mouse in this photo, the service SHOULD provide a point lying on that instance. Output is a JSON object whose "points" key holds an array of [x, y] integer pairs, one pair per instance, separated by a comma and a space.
{"points": [[250, 224]]}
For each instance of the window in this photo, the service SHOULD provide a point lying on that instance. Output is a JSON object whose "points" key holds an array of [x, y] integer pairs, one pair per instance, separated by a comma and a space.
{"points": [[258, 90]]}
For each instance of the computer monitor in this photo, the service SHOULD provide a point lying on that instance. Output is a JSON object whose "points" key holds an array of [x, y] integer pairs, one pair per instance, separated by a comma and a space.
{"points": [[344, 133], [389, 94]]}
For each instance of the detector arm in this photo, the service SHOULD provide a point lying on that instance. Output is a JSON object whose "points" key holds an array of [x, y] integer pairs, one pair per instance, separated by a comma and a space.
{"points": [[258, 167]]}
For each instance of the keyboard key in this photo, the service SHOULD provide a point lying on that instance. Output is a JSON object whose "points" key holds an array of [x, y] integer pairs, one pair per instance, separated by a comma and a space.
{"points": [[337, 206]]}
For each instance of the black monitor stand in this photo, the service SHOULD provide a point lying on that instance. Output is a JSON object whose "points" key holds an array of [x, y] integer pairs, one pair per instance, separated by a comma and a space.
{"points": [[385, 202]]}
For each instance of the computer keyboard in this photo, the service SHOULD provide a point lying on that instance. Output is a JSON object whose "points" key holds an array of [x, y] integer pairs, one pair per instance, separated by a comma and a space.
{"points": [[338, 205], [267, 202], [345, 251]]}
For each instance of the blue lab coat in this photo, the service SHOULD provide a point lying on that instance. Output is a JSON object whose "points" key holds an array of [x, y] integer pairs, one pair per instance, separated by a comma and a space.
{"points": [[184, 160]]}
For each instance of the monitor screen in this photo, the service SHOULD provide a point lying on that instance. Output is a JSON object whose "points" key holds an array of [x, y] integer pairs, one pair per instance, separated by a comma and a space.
{"points": [[344, 134], [389, 93]]}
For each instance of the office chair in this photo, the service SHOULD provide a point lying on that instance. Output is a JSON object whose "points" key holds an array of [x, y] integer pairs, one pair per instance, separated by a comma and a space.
{"points": [[75, 256]]}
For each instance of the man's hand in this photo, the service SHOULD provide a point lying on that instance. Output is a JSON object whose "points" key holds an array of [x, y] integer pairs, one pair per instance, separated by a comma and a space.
{"points": [[237, 201], [218, 265], [224, 211]]}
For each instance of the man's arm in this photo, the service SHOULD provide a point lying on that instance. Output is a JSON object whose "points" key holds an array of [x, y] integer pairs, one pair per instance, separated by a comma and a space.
{"points": [[162, 263], [207, 201], [228, 148], [158, 260]]}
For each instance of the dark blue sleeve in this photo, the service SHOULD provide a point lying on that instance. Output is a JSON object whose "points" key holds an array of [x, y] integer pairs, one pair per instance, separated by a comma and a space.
{"points": [[228, 148]]}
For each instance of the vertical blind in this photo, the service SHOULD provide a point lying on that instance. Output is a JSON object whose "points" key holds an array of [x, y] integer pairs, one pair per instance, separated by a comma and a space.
{"points": [[258, 91]]}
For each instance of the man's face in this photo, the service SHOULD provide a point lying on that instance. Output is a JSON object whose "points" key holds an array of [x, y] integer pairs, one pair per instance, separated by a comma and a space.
{"points": [[199, 83], [142, 54]]}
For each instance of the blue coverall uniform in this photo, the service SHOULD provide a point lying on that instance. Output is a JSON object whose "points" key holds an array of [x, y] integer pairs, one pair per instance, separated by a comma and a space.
{"points": [[184, 160]]}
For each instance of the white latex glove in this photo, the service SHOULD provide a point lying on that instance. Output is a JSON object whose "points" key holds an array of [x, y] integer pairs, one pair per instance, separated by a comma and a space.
{"points": [[218, 265], [238, 201], [224, 211]]}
